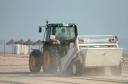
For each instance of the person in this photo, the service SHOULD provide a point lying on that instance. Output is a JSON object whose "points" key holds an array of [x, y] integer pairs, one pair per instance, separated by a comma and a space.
{"points": [[62, 34]]}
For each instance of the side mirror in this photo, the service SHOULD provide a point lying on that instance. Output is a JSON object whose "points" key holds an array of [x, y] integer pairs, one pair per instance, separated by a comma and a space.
{"points": [[40, 29]]}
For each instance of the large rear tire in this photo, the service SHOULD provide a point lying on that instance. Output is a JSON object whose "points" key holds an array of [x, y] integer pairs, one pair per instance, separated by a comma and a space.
{"points": [[35, 61], [49, 62]]}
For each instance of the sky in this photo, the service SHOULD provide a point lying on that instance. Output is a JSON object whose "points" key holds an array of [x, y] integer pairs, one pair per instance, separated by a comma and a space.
{"points": [[20, 19]]}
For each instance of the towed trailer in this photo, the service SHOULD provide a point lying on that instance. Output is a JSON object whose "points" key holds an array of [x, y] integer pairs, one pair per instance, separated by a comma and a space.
{"points": [[100, 51]]}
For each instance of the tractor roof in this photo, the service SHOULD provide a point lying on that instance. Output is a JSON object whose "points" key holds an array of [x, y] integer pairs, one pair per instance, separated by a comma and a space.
{"points": [[60, 25]]}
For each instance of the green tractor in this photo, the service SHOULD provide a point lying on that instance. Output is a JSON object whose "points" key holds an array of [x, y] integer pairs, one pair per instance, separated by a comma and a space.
{"points": [[56, 45]]}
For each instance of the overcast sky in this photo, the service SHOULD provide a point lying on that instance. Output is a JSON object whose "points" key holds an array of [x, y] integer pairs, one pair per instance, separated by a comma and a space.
{"points": [[19, 19]]}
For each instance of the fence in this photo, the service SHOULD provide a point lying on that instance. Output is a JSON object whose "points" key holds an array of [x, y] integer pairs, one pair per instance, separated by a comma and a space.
{"points": [[6, 49], [2, 47]]}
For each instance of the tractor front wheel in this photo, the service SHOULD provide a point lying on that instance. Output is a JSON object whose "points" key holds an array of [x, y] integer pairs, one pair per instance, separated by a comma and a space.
{"points": [[35, 61]]}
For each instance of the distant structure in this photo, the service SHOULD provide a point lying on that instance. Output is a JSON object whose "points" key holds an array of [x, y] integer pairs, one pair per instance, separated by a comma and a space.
{"points": [[21, 49]]}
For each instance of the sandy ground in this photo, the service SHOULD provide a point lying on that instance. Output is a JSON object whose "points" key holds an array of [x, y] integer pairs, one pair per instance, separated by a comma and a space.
{"points": [[14, 70]]}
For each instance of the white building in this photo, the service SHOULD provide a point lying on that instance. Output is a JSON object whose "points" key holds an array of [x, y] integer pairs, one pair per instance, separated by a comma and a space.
{"points": [[21, 49]]}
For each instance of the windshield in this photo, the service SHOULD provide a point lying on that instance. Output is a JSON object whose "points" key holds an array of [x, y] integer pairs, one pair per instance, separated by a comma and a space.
{"points": [[64, 33]]}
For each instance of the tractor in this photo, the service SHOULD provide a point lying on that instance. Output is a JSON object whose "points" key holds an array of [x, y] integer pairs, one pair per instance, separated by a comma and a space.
{"points": [[59, 50]]}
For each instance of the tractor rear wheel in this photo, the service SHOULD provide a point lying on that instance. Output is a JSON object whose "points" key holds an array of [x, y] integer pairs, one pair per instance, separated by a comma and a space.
{"points": [[35, 61], [49, 62]]}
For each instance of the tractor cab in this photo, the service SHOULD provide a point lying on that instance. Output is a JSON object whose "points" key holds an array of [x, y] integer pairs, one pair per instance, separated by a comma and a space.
{"points": [[59, 33]]}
